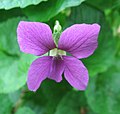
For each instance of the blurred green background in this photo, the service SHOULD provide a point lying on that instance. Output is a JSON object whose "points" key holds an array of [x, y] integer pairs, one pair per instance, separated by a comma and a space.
{"points": [[103, 93]]}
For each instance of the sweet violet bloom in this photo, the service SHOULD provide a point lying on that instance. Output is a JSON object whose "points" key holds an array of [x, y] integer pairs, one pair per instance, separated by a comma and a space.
{"points": [[79, 40]]}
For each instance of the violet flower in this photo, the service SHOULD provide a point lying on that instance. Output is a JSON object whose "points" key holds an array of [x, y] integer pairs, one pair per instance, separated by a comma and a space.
{"points": [[80, 40]]}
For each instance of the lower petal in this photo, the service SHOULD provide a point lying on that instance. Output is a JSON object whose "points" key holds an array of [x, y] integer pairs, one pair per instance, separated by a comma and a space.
{"points": [[39, 70], [75, 73], [57, 69]]}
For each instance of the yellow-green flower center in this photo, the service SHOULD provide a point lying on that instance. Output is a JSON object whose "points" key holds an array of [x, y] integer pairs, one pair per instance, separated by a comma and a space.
{"points": [[57, 52]]}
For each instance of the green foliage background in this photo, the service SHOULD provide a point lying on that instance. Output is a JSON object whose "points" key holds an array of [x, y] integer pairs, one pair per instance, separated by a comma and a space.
{"points": [[103, 93]]}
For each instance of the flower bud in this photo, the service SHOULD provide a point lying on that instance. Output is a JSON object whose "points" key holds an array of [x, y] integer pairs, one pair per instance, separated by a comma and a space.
{"points": [[57, 32]]}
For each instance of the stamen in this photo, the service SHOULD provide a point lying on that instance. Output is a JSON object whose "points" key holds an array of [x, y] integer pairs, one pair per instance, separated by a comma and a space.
{"points": [[57, 53]]}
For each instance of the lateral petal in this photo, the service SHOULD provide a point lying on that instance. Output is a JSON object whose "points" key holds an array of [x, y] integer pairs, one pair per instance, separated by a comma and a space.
{"points": [[75, 73], [80, 40], [39, 70], [42, 68], [35, 37]]}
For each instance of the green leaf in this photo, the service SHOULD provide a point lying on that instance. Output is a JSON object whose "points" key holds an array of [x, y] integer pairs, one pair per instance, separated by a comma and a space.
{"points": [[15, 97], [54, 92], [70, 103], [46, 99], [5, 104], [13, 64], [13, 72], [35, 100], [103, 93], [103, 57], [24, 110], [74, 102], [8, 4], [45, 11], [101, 4], [8, 39], [6, 14]]}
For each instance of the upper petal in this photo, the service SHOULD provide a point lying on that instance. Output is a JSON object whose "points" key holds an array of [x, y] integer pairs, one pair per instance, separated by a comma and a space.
{"points": [[34, 37], [39, 70], [75, 73], [57, 69], [80, 40]]}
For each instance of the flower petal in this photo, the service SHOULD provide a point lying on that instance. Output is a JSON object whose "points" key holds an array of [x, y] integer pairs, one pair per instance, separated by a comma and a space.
{"points": [[75, 73], [42, 68], [80, 40], [34, 37], [57, 69], [39, 70]]}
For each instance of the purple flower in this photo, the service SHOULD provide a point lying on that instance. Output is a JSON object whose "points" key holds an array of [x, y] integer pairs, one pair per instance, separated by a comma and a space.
{"points": [[80, 40]]}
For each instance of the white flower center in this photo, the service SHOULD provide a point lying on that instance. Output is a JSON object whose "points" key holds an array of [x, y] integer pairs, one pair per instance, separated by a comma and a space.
{"points": [[57, 52]]}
